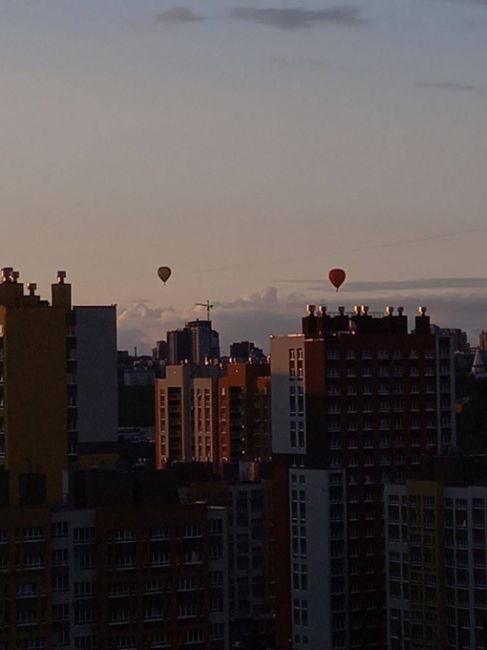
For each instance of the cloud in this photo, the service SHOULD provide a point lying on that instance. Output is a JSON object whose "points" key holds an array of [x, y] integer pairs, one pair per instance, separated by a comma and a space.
{"points": [[450, 85], [177, 15], [257, 315], [297, 18], [252, 316]]}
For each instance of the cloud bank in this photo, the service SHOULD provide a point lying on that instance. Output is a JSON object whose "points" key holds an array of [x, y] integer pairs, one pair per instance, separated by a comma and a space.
{"points": [[297, 18], [177, 15], [258, 315]]}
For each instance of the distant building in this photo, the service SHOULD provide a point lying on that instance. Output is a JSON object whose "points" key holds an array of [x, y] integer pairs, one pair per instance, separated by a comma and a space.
{"points": [[160, 351], [479, 367], [243, 351], [210, 418], [173, 424], [244, 412], [483, 341], [196, 343], [179, 346], [205, 341], [459, 339]]}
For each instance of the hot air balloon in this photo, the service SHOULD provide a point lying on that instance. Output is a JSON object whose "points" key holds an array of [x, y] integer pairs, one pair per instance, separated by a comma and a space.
{"points": [[337, 277], [164, 273]]}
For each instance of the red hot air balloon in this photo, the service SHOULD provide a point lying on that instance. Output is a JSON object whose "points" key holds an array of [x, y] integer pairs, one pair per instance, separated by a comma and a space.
{"points": [[337, 277]]}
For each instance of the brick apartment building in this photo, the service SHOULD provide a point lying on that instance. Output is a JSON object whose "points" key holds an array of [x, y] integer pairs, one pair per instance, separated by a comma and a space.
{"points": [[356, 399]]}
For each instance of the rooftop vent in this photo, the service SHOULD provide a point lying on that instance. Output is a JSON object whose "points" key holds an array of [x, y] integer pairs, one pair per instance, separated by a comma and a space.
{"points": [[7, 274]]}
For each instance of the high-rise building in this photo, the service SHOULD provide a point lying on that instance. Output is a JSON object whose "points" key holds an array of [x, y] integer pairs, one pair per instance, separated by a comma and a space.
{"points": [[179, 346], [243, 351], [58, 381], [436, 557], [203, 417], [186, 425], [197, 343], [244, 412], [173, 425], [246, 499], [206, 344], [356, 399], [94, 332]]}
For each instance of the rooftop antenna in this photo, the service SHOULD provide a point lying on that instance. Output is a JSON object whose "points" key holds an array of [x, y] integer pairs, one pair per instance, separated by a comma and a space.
{"points": [[208, 307]]}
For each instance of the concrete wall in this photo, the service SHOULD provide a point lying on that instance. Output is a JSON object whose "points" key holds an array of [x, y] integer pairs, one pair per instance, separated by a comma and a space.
{"points": [[96, 354]]}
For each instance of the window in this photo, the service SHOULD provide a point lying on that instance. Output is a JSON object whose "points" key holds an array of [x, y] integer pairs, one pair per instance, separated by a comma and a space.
{"points": [[83, 615], [60, 557], [301, 435], [59, 529], [124, 535], [292, 400], [159, 533], [84, 589], [293, 438], [84, 535]]}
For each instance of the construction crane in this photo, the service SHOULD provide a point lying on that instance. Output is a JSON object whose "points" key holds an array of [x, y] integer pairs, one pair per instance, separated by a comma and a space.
{"points": [[208, 306]]}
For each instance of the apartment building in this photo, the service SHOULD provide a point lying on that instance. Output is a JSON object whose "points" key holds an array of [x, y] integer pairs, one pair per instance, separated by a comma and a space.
{"points": [[248, 507], [118, 576], [57, 381], [186, 425], [244, 412], [436, 558], [205, 416], [356, 398]]}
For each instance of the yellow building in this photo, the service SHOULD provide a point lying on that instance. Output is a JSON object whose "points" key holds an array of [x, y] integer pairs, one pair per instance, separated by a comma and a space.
{"points": [[33, 385]]}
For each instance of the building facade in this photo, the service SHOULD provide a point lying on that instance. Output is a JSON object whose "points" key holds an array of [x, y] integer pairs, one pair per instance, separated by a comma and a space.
{"points": [[436, 562], [356, 399]]}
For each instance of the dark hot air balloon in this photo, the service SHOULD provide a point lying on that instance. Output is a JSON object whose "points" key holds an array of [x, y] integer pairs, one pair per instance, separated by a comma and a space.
{"points": [[337, 277], [164, 273]]}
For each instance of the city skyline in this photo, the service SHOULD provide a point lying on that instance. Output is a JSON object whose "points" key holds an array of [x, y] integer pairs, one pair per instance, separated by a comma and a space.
{"points": [[348, 134]]}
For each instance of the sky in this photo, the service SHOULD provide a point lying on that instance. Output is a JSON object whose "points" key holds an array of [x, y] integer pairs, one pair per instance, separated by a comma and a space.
{"points": [[250, 146]]}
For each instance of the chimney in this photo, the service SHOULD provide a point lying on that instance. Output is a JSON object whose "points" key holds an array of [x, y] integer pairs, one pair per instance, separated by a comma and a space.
{"points": [[11, 291], [310, 322], [61, 292]]}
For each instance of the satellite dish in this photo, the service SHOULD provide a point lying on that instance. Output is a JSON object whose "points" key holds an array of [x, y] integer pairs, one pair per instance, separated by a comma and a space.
{"points": [[164, 273], [337, 277]]}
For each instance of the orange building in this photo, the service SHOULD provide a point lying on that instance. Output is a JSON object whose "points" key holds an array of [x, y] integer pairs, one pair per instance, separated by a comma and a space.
{"points": [[244, 412]]}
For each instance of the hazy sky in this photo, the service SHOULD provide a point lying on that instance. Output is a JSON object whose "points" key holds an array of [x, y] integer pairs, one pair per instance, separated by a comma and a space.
{"points": [[247, 145]]}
